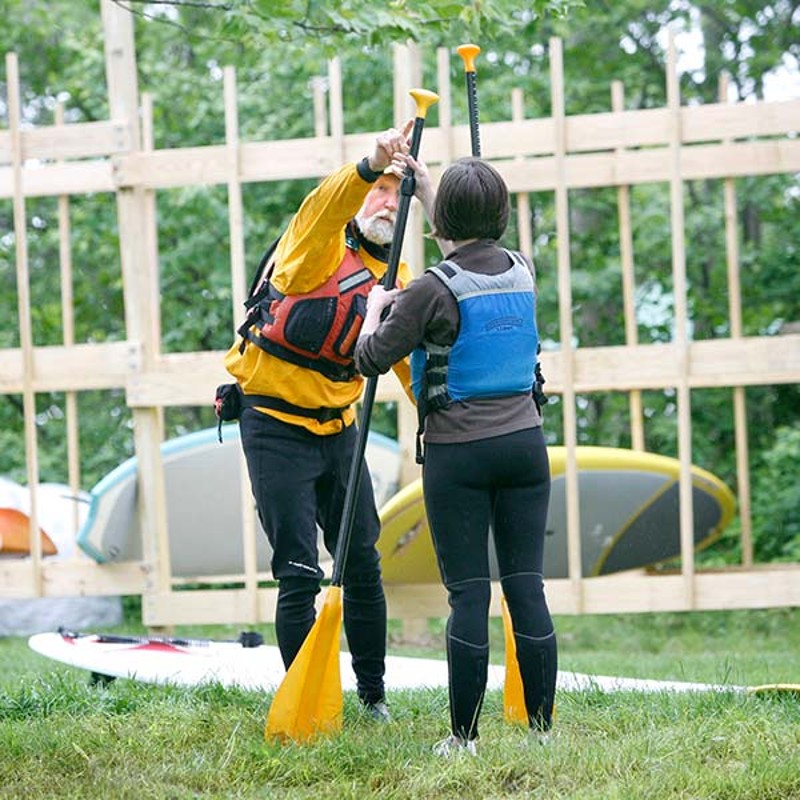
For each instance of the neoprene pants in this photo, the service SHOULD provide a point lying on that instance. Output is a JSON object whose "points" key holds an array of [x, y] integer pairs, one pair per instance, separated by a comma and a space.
{"points": [[504, 482], [299, 481]]}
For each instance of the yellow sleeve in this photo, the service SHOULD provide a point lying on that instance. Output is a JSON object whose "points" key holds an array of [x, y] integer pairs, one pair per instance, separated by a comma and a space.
{"points": [[313, 245], [402, 369]]}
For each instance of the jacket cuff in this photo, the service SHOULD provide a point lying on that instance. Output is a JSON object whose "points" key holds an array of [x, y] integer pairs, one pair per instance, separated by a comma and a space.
{"points": [[363, 169]]}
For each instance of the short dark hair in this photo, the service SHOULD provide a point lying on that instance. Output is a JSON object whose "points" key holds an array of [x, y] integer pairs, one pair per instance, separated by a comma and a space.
{"points": [[471, 202]]}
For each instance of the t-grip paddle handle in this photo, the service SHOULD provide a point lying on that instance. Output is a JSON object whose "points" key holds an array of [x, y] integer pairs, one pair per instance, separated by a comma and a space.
{"points": [[468, 53], [424, 100]]}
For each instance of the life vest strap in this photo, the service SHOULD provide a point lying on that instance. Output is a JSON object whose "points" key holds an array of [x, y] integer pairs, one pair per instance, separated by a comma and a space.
{"points": [[339, 373], [322, 414]]}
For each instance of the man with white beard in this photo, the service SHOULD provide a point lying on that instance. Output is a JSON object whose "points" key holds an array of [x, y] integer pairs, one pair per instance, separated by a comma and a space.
{"points": [[296, 384]]}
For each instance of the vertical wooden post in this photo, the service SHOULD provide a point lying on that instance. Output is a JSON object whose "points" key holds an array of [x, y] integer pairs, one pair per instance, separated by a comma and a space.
{"points": [[239, 277], [524, 233], [24, 312], [445, 104], [123, 101], [318, 89], [565, 323], [408, 75], [681, 322], [336, 111], [68, 333], [407, 69], [739, 399], [152, 264], [628, 279], [239, 282], [151, 230]]}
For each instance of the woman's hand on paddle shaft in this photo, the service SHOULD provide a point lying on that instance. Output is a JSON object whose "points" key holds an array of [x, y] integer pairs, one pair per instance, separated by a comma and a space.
{"points": [[423, 186], [387, 144], [378, 299], [424, 190]]}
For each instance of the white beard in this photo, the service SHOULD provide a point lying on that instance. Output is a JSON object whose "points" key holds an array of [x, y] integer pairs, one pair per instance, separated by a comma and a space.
{"points": [[379, 228]]}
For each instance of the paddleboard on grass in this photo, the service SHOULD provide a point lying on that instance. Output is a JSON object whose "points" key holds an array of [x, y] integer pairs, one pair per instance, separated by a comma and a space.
{"points": [[243, 663], [257, 667], [204, 517], [629, 516]]}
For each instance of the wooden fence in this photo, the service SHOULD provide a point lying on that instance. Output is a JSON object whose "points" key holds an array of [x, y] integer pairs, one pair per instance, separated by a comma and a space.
{"points": [[620, 148]]}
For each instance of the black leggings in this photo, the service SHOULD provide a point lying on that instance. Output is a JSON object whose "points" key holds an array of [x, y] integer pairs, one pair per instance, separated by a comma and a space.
{"points": [[299, 481], [502, 482]]}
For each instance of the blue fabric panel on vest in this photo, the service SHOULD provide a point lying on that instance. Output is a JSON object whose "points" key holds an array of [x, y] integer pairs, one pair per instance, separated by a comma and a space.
{"points": [[418, 360], [495, 352]]}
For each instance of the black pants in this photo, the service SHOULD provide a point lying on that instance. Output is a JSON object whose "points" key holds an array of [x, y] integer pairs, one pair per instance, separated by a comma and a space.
{"points": [[299, 480], [503, 482]]}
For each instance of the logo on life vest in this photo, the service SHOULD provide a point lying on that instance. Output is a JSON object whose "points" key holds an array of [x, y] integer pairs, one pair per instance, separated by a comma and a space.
{"points": [[503, 324]]}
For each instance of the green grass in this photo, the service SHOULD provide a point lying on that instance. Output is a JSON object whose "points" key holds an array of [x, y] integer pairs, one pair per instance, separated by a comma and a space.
{"points": [[62, 738]]}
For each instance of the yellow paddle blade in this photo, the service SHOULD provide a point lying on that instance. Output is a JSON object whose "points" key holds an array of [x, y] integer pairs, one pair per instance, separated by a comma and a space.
{"points": [[309, 700], [513, 696]]}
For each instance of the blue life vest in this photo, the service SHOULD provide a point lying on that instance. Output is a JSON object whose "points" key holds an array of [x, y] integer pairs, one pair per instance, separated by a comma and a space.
{"points": [[495, 351]]}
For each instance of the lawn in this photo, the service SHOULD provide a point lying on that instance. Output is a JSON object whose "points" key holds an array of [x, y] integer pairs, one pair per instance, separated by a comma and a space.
{"points": [[61, 737]]}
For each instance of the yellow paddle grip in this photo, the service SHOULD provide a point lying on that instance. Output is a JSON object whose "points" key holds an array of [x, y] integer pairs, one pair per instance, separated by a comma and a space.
{"points": [[424, 100], [468, 52]]}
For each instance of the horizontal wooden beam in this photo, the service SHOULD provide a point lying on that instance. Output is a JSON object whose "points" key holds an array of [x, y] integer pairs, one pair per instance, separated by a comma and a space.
{"points": [[761, 586], [750, 361], [80, 367], [206, 606], [71, 141], [51, 180], [606, 149], [190, 378], [632, 592], [638, 167], [198, 373], [74, 577], [638, 592]]}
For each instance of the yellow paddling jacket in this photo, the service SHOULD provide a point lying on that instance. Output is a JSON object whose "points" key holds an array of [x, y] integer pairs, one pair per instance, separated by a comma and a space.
{"points": [[311, 254]]}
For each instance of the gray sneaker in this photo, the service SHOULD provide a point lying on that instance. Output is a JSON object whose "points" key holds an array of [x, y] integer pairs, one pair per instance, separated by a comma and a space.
{"points": [[455, 746], [378, 711]]}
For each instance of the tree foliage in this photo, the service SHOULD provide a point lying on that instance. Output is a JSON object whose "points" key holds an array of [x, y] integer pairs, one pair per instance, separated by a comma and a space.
{"points": [[352, 24]]}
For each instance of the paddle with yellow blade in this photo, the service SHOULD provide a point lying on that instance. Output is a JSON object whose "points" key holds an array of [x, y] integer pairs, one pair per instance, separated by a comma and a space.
{"points": [[513, 695], [309, 700]]}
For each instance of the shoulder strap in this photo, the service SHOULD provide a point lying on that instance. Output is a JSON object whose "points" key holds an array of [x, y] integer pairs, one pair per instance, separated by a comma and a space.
{"points": [[260, 276]]}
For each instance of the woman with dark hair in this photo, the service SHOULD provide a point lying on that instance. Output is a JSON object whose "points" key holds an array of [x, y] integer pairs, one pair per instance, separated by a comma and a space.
{"points": [[469, 324]]}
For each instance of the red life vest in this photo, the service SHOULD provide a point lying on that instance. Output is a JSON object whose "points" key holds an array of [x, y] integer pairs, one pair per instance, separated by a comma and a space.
{"points": [[316, 330]]}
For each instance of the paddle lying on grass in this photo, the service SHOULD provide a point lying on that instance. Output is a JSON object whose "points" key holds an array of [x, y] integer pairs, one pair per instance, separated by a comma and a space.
{"points": [[513, 695], [309, 700]]}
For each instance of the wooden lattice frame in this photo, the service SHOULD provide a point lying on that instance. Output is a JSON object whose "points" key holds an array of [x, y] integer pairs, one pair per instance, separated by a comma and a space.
{"points": [[619, 148]]}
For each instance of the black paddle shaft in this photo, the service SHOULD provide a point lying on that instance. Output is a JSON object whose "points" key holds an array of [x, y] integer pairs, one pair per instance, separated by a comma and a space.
{"points": [[472, 103], [389, 279]]}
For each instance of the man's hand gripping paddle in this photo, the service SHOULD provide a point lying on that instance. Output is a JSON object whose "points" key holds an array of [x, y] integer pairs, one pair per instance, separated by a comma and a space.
{"points": [[309, 700], [513, 694]]}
